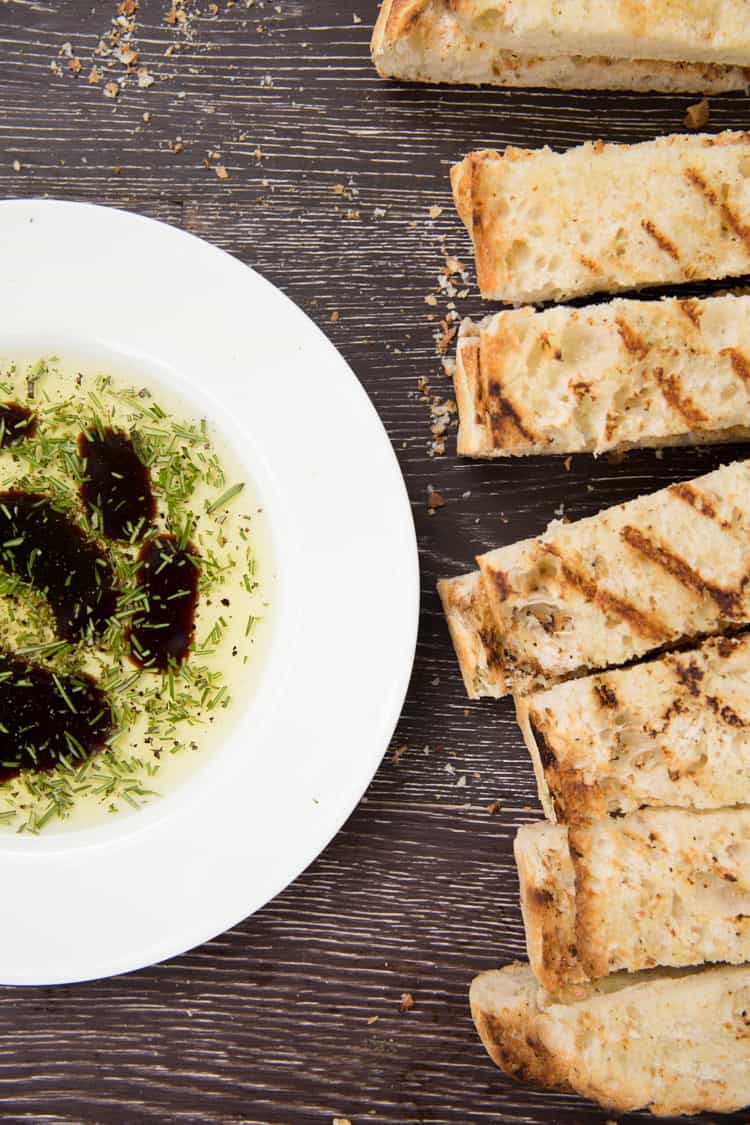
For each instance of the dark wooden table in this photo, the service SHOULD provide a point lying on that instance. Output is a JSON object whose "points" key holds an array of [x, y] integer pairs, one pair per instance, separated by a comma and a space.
{"points": [[336, 191]]}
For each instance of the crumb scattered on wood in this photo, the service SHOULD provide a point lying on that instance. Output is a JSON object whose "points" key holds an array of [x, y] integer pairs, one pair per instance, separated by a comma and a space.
{"points": [[567, 463], [434, 500], [697, 115], [494, 808], [399, 752], [407, 1002], [371, 1020]]}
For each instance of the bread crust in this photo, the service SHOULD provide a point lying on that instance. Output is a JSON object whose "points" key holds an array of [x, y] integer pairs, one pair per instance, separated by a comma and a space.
{"points": [[472, 632]]}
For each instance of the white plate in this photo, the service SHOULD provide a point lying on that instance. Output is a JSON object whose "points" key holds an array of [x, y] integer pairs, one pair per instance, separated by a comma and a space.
{"points": [[146, 886]]}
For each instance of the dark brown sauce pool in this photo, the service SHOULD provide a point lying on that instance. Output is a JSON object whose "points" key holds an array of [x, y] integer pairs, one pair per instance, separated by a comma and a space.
{"points": [[47, 719], [116, 487], [169, 576], [16, 423], [47, 549]]}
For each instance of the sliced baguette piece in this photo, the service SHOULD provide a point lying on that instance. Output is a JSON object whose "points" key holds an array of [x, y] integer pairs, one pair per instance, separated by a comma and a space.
{"points": [[666, 887], [674, 732], [547, 881], [425, 41], [641, 576], [606, 217], [673, 1043], [701, 30], [604, 377], [472, 631]]}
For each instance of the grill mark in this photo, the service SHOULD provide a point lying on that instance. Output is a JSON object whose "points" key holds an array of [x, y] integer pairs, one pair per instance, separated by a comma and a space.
{"points": [[547, 755], [729, 217], [643, 623], [690, 675], [660, 239], [740, 363], [605, 695], [726, 713], [699, 502], [633, 343], [504, 414], [692, 311], [682, 404], [489, 644], [728, 601], [501, 585]]}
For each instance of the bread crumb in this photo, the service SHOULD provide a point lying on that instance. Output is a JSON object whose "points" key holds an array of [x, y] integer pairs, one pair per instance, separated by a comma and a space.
{"points": [[399, 752], [435, 212], [334, 315], [16, 165], [430, 299], [221, 172], [697, 115], [567, 463], [494, 808], [371, 1020], [111, 90], [434, 500], [341, 1121], [407, 1002]]}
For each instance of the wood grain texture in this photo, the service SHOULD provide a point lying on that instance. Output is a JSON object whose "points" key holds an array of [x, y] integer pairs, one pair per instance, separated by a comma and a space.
{"points": [[332, 175]]}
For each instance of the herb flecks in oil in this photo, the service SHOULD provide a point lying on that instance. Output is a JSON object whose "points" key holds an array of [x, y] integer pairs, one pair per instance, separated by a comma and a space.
{"points": [[197, 531]]}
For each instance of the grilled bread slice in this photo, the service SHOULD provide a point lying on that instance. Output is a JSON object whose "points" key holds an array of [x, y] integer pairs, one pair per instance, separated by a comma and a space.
{"points": [[669, 1042], [657, 887], [604, 377], [674, 732], [425, 41], [547, 880], [702, 30], [473, 634], [637, 577], [606, 217]]}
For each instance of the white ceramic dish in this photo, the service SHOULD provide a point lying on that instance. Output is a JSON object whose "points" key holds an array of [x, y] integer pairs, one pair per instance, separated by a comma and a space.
{"points": [[146, 886]]}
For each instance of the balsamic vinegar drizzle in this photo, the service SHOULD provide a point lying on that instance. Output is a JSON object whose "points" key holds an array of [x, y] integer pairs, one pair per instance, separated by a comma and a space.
{"points": [[16, 423], [47, 549], [48, 720], [120, 538], [116, 487], [168, 576]]}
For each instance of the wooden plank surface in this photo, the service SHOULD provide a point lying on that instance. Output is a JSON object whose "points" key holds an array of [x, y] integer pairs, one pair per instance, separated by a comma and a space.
{"points": [[332, 176]]}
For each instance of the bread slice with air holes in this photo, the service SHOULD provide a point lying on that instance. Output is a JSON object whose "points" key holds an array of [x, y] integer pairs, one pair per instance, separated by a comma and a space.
{"points": [[601, 217], [671, 733], [666, 887], [604, 377], [426, 41], [670, 1042], [706, 31]]}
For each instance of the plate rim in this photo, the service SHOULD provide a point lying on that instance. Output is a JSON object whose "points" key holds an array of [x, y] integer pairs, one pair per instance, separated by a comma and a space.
{"points": [[351, 795]]}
